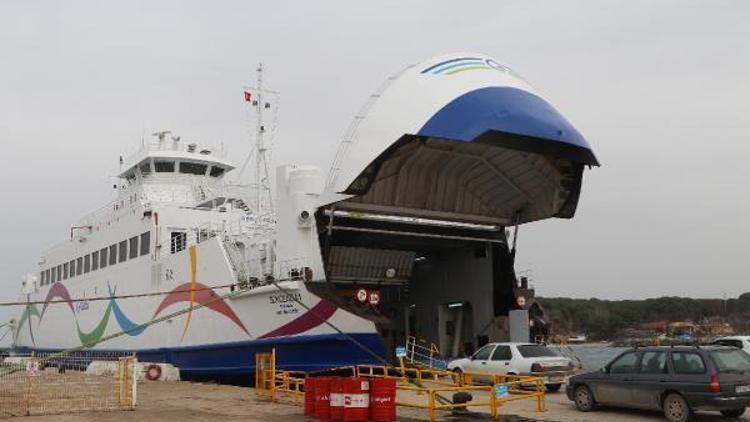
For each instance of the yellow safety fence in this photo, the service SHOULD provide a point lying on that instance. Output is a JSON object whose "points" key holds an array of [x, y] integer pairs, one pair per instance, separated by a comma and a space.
{"points": [[47, 383], [269, 381], [421, 388]]}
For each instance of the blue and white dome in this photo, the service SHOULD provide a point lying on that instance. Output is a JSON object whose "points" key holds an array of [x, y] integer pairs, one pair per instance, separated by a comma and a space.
{"points": [[462, 114]]}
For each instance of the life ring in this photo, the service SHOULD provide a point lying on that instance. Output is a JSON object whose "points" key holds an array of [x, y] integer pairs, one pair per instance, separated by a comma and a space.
{"points": [[153, 372]]}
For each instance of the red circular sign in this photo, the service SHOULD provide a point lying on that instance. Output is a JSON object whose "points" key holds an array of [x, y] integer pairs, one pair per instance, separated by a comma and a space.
{"points": [[374, 298]]}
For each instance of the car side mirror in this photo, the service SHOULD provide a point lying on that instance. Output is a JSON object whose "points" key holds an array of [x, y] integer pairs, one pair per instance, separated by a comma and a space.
{"points": [[604, 370]]}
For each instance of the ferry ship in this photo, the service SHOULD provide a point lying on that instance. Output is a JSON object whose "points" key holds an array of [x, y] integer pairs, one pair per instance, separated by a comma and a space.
{"points": [[412, 233]]}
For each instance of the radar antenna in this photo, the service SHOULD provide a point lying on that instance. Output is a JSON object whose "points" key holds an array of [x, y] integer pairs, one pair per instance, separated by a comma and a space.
{"points": [[162, 134]]}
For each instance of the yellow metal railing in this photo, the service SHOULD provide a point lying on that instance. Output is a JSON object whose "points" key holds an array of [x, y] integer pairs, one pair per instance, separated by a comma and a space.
{"points": [[265, 374], [426, 383]]}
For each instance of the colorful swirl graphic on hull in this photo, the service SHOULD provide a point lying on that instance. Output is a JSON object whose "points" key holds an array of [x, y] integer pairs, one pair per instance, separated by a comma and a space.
{"points": [[192, 292]]}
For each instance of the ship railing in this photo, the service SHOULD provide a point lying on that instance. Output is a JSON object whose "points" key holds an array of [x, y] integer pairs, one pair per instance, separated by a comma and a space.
{"points": [[293, 269], [236, 259], [170, 145], [420, 352], [107, 212], [351, 132]]}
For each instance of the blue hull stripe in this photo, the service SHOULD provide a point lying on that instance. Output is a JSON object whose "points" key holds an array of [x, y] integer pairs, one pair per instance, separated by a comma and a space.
{"points": [[299, 353]]}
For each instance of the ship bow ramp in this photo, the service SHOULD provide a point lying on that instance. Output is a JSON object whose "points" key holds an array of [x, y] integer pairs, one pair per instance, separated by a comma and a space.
{"points": [[444, 158]]}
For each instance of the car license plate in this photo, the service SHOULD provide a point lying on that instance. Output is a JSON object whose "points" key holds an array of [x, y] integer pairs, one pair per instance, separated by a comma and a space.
{"points": [[554, 379], [742, 389]]}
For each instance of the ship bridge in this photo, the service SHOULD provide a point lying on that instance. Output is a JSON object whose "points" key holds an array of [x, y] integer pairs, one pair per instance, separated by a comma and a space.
{"points": [[169, 155], [443, 160], [169, 170]]}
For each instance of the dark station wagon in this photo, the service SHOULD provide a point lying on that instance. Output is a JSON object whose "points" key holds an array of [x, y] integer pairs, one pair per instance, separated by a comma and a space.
{"points": [[676, 380]]}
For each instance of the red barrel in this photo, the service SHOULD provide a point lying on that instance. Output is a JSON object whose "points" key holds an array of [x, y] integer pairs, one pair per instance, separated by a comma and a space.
{"points": [[310, 396], [322, 390], [336, 398], [383, 400], [356, 399]]}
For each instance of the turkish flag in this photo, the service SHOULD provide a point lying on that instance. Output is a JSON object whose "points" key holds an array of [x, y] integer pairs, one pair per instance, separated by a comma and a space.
{"points": [[248, 96]]}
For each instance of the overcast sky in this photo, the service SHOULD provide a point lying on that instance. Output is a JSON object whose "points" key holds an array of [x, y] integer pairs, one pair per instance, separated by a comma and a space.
{"points": [[659, 88]]}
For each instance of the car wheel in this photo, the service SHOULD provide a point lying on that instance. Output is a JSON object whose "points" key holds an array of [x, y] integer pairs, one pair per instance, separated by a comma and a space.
{"points": [[733, 413], [553, 388], [583, 399], [676, 409]]}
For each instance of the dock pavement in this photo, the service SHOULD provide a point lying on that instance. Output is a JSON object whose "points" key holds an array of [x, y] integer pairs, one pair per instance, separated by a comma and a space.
{"points": [[188, 402]]}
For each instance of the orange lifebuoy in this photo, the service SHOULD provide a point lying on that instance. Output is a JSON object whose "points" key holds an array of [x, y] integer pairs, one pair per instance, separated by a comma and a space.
{"points": [[153, 372]]}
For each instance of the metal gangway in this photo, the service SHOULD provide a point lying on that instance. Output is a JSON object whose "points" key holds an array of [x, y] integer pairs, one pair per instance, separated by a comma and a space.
{"points": [[421, 353]]}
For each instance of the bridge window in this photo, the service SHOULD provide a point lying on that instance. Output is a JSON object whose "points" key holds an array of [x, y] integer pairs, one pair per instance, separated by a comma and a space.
{"points": [[53, 273], [59, 272], [134, 247], [113, 254], [145, 243], [217, 171], [164, 166], [87, 263], [42, 278], [65, 271], [193, 168], [72, 268], [94, 260], [79, 266], [145, 167], [123, 251]]}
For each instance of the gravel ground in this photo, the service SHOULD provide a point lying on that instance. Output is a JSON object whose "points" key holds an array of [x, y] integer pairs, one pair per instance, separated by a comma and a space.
{"points": [[186, 402]]}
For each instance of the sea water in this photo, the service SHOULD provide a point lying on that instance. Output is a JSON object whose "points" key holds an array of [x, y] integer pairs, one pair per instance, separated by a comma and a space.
{"points": [[594, 356]]}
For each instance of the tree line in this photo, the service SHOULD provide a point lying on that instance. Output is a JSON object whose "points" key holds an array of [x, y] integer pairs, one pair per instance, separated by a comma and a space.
{"points": [[605, 319]]}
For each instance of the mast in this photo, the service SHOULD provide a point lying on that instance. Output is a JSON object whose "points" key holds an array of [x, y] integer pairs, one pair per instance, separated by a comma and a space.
{"points": [[263, 191]]}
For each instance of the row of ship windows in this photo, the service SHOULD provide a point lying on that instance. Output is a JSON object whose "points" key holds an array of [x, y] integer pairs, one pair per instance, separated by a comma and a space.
{"points": [[119, 252]]}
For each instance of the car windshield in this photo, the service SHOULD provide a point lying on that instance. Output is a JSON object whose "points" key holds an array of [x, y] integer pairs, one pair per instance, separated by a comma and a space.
{"points": [[536, 351], [731, 360]]}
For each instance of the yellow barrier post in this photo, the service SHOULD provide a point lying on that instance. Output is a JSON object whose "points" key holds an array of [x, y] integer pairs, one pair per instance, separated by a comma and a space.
{"points": [[432, 405], [541, 402], [493, 404]]}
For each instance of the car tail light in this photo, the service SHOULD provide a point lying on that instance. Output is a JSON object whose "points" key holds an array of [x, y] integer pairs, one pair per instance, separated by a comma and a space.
{"points": [[535, 367], [713, 385]]}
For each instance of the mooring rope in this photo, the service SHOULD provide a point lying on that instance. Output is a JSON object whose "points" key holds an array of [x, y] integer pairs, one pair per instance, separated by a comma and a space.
{"points": [[82, 347], [130, 296]]}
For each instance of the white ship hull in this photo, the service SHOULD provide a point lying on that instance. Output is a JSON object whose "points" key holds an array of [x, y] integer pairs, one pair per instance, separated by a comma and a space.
{"points": [[217, 339]]}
